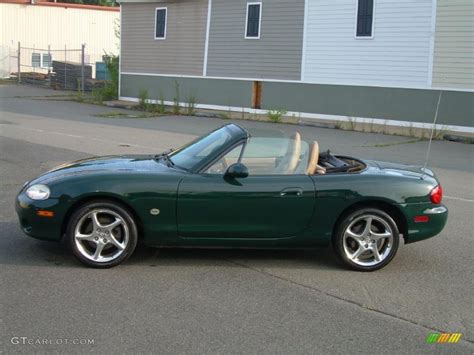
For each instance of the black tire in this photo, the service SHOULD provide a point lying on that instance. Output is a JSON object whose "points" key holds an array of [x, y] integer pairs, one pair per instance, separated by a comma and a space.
{"points": [[100, 208], [341, 244]]}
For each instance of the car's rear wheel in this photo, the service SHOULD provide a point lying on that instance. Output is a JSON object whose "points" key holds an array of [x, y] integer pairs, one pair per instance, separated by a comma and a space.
{"points": [[366, 239], [102, 234]]}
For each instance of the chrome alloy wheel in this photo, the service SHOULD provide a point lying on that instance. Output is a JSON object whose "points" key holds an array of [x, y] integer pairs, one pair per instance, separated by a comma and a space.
{"points": [[368, 240], [101, 235]]}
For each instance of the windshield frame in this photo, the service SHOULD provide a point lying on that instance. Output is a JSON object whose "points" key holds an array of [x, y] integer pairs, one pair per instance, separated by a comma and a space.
{"points": [[237, 133]]}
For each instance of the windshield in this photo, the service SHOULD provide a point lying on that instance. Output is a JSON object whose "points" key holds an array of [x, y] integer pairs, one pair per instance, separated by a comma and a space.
{"points": [[195, 152]]}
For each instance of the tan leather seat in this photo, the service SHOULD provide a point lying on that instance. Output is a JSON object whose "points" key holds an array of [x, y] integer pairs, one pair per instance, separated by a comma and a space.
{"points": [[295, 157], [313, 166], [291, 159], [313, 158]]}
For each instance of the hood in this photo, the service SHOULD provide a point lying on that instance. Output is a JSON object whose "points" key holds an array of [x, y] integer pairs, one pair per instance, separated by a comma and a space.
{"points": [[106, 164]]}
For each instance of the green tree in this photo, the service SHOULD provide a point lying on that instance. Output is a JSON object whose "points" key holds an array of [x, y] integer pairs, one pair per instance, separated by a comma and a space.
{"points": [[91, 2]]}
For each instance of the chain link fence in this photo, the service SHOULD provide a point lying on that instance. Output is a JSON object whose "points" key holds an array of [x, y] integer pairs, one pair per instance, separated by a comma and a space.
{"points": [[65, 68]]}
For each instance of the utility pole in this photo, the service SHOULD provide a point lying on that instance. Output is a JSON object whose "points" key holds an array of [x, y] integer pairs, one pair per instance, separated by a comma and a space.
{"points": [[19, 63], [83, 46]]}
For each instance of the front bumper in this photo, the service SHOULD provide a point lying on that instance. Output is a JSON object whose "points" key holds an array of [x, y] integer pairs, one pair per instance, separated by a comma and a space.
{"points": [[45, 228], [437, 217]]}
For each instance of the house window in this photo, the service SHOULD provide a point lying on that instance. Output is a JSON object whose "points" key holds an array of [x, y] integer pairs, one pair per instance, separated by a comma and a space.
{"points": [[160, 22], [46, 60], [365, 18], [254, 19], [39, 60]]}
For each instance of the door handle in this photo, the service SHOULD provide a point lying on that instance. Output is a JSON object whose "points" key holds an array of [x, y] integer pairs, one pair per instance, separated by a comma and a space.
{"points": [[292, 191]]}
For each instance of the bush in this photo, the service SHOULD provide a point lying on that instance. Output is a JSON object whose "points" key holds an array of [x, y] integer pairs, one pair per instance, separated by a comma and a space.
{"points": [[161, 104], [276, 115], [110, 90], [106, 93], [143, 99], [191, 105]]}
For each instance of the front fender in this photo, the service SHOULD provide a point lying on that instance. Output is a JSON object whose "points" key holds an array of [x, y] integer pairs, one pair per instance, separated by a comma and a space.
{"points": [[140, 193]]}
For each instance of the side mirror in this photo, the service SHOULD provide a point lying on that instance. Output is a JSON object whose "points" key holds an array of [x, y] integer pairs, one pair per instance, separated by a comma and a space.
{"points": [[237, 170]]}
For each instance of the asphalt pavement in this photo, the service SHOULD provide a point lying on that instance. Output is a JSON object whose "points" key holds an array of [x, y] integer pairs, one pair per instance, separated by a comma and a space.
{"points": [[221, 301]]}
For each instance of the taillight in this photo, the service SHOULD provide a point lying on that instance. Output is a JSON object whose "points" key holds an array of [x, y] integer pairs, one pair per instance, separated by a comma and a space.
{"points": [[436, 194]]}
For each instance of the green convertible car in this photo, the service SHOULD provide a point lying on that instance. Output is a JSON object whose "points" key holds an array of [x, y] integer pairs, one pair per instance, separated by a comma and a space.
{"points": [[234, 189]]}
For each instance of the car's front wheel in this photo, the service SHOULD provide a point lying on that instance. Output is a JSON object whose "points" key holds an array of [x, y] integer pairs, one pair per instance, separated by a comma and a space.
{"points": [[366, 239], [102, 234]]}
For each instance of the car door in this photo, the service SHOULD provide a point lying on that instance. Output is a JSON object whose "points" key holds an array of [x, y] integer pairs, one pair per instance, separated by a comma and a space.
{"points": [[252, 207], [261, 205]]}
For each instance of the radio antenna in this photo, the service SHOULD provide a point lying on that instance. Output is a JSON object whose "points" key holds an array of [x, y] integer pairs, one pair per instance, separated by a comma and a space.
{"points": [[432, 131]]}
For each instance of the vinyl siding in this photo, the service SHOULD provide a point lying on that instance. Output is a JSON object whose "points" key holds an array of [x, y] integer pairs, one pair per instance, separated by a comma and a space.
{"points": [[182, 52], [276, 55], [397, 55], [453, 65], [228, 93], [346, 101], [57, 27]]}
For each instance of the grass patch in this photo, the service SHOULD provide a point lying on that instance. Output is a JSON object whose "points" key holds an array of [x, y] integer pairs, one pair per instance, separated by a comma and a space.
{"points": [[65, 97], [125, 115], [275, 116], [112, 114], [7, 81], [381, 145], [144, 115], [224, 115]]}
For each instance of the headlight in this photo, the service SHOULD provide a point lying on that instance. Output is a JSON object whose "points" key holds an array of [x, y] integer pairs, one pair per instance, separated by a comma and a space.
{"points": [[38, 192]]}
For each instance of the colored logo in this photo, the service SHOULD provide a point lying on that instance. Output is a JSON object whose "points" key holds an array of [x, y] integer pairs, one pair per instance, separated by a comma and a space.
{"points": [[440, 338]]}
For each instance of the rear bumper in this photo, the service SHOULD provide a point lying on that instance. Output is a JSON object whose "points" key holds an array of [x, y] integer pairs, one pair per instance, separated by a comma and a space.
{"points": [[44, 228], [437, 216]]}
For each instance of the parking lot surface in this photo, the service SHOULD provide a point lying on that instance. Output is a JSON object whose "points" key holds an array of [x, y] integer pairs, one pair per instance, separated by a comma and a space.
{"points": [[222, 301]]}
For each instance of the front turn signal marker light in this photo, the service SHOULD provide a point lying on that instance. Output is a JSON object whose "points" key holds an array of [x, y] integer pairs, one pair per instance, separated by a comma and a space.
{"points": [[42, 213]]}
